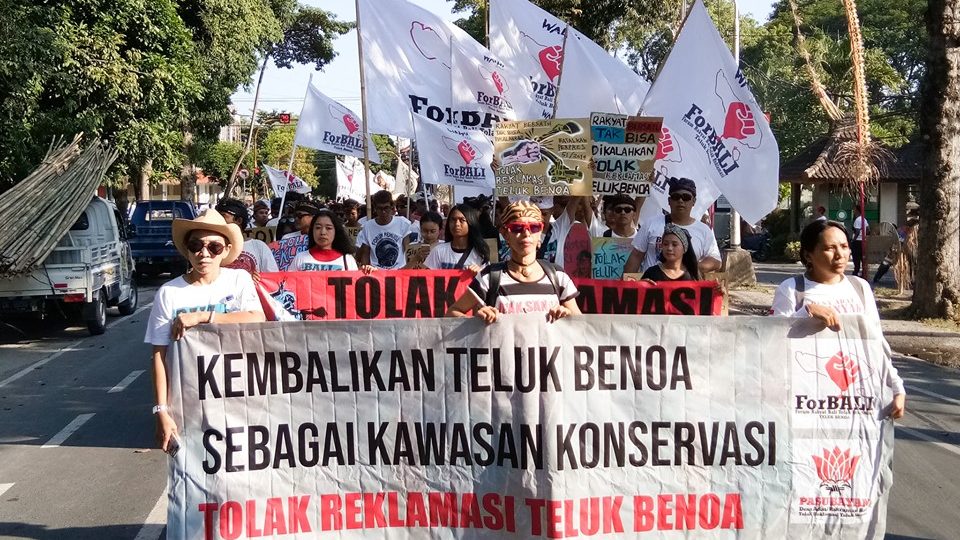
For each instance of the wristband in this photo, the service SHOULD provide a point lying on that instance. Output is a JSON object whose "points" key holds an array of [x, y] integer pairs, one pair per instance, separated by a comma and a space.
{"points": [[159, 408]]}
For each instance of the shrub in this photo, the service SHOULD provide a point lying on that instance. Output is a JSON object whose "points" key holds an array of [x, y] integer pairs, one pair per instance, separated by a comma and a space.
{"points": [[792, 251]]}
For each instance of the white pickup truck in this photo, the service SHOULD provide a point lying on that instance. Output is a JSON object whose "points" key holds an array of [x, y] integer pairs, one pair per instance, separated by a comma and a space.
{"points": [[90, 269]]}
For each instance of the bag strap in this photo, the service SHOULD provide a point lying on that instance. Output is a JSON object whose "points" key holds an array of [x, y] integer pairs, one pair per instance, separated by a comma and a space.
{"points": [[799, 285], [494, 272], [463, 258], [858, 286], [345, 267], [551, 271]]}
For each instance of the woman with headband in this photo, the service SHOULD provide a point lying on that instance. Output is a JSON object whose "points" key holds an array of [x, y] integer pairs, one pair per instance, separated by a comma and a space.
{"points": [[677, 261], [521, 284]]}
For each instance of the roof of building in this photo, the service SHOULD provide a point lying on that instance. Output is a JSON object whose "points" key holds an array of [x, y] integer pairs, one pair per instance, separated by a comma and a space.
{"points": [[818, 162]]}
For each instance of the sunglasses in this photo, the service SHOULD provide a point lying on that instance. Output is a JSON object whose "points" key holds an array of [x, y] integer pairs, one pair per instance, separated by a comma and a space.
{"points": [[685, 197], [196, 246], [623, 209], [517, 228]]}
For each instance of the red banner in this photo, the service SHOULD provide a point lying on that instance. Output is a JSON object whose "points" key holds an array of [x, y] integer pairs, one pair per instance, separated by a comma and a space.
{"points": [[419, 294], [641, 298], [396, 294]]}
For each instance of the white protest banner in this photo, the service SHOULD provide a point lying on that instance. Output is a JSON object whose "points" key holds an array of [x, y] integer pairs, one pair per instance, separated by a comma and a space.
{"points": [[488, 85], [452, 156], [710, 112], [325, 124], [281, 181], [406, 59], [706, 427], [531, 41]]}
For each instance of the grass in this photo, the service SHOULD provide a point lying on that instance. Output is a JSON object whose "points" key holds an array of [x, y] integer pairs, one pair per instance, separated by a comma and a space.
{"points": [[942, 324]]}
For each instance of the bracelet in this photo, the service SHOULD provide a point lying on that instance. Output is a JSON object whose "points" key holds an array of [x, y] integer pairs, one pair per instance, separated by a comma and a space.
{"points": [[159, 408]]}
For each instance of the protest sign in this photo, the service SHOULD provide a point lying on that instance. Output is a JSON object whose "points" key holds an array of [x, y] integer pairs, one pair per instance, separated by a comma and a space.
{"points": [[610, 256], [577, 248], [394, 294], [417, 253], [543, 157], [353, 232], [285, 250], [624, 148], [267, 235], [679, 427], [610, 296]]}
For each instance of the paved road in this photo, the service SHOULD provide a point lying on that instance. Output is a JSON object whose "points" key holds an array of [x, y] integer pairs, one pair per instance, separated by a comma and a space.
{"points": [[75, 433]]}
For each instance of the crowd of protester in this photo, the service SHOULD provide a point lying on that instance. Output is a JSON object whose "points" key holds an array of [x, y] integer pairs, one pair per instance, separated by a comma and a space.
{"points": [[511, 250]]}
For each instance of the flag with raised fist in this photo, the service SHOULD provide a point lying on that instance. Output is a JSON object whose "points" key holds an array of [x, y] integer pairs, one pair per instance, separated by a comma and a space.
{"points": [[453, 156], [714, 132], [326, 125]]}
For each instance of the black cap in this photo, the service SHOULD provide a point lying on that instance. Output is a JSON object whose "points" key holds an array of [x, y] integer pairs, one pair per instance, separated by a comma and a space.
{"points": [[683, 184]]}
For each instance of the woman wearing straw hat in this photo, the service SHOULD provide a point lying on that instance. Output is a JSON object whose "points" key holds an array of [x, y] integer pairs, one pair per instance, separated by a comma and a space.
{"points": [[206, 293]]}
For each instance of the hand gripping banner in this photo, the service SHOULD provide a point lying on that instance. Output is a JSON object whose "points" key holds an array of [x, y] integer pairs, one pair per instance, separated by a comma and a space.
{"points": [[667, 427]]}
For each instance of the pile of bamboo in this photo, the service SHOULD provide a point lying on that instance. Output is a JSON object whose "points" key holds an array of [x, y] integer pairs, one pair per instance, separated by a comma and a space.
{"points": [[42, 207]]}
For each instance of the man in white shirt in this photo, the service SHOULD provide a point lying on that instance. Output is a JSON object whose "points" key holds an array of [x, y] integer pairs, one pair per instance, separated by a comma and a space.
{"points": [[860, 228], [646, 243], [383, 240], [256, 256]]}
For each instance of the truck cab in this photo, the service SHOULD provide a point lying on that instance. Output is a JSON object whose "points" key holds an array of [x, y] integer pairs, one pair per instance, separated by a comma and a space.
{"points": [[151, 228], [90, 269]]}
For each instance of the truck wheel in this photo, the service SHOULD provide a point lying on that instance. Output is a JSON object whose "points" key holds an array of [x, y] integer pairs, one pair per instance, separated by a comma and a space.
{"points": [[95, 315], [128, 306]]}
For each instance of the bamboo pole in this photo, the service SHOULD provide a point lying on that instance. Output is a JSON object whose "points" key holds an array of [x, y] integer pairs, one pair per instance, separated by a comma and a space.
{"points": [[363, 111]]}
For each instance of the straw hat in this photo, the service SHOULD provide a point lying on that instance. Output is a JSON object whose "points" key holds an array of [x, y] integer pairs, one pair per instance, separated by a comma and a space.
{"points": [[208, 220]]}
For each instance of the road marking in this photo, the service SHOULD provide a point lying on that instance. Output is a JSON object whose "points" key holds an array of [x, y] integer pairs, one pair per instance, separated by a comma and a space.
{"points": [[924, 437], [928, 393], [39, 363], [128, 317], [69, 348], [122, 385], [4, 488], [156, 520], [66, 432]]}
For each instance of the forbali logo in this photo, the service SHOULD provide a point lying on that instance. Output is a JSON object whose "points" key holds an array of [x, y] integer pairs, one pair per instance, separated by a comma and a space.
{"points": [[667, 149], [498, 102], [466, 151], [847, 373], [350, 123], [740, 131], [430, 43]]}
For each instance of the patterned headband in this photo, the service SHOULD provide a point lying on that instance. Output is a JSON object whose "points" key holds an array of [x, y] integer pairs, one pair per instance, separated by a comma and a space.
{"points": [[676, 230], [520, 210]]}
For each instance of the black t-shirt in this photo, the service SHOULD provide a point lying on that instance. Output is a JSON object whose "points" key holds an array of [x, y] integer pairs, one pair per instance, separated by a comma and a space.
{"points": [[656, 274]]}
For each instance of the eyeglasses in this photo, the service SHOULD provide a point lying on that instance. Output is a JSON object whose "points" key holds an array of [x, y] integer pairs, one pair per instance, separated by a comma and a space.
{"points": [[197, 245], [623, 209], [518, 227], [685, 197], [384, 208]]}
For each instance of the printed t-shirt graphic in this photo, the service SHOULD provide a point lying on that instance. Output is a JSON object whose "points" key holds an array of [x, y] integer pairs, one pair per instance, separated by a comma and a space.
{"points": [[649, 235], [322, 259], [386, 242], [517, 297]]}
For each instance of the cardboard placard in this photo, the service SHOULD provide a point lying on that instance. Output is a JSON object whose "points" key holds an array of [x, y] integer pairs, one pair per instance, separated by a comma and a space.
{"points": [[624, 149], [609, 257], [267, 235], [543, 157]]}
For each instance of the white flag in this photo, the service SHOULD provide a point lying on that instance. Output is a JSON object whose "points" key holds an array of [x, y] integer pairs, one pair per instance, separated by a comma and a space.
{"points": [[406, 179], [453, 156], [282, 181], [714, 121], [406, 59], [531, 40], [350, 179], [586, 88], [327, 125], [488, 85]]}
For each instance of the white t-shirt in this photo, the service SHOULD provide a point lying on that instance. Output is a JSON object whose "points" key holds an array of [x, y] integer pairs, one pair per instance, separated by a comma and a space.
{"points": [[650, 232], [613, 234], [843, 297], [444, 257], [414, 233], [307, 261], [386, 242], [256, 257], [516, 297], [859, 224], [559, 229], [232, 291]]}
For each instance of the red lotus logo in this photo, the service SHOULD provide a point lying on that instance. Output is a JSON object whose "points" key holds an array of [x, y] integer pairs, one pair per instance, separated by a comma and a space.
{"points": [[551, 58], [842, 370], [835, 469], [350, 123], [497, 81], [466, 151]]}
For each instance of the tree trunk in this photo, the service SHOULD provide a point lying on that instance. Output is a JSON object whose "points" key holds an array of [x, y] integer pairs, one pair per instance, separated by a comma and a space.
{"points": [[232, 182], [937, 288], [141, 175]]}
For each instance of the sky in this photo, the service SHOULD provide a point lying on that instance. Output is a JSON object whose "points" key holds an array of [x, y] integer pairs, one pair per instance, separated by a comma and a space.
{"points": [[283, 89]]}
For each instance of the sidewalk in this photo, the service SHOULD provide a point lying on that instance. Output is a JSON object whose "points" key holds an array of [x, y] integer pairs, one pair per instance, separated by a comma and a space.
{"points": [[913, 338]]}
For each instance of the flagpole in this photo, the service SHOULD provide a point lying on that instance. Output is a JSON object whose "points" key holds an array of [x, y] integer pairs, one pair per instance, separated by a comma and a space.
{"points": [[293, 151], [563, 60], [486, 24], [734, 215], [363, 111]]}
